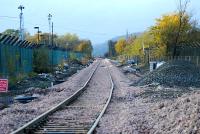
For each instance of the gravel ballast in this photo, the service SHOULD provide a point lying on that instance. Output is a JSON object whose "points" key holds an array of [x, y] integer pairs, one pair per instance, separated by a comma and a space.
{"points": [[174, 73], [178, 116], [116, 120], [18, 114], [131, 113], [87, 107]]}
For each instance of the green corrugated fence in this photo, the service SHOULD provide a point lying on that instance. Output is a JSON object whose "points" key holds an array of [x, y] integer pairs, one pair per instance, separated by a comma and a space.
{"points": [[16, 56]]}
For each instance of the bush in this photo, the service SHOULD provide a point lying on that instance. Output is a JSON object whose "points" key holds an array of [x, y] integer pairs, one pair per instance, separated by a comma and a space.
{"points": [[41, 61], [14, 79], [32, 74]]}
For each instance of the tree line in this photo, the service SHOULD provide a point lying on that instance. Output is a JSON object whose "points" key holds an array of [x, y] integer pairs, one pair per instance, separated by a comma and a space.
{"points": [[68, 41], [162, 39]]}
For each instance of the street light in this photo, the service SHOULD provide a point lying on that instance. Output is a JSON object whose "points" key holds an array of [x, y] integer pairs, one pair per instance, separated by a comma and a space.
{"points": [[38, 33], [21, 28], [49, 19]]}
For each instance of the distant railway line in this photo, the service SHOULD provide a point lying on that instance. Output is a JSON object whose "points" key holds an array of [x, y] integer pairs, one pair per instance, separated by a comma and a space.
{"points": [[81, 112]]}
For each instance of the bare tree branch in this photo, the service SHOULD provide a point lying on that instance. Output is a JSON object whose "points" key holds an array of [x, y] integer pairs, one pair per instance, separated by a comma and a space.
{"points": [[181, 12]]}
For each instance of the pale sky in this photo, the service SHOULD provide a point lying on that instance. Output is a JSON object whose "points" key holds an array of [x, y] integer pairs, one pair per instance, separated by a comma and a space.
{"points": [[97, 20]]}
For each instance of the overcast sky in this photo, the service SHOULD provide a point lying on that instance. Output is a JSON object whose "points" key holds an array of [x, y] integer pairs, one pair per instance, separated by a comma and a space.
{"points": [[97, 20]]}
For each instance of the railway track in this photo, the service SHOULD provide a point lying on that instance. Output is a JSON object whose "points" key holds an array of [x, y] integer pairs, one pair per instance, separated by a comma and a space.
{"points": [[80, 113]]}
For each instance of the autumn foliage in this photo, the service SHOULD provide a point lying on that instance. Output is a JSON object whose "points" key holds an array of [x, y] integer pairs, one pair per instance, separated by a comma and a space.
{"points": [[160, 39], [120, 45]]}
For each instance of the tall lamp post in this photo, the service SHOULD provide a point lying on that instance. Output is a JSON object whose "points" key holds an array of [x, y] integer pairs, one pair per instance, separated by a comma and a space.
{"points": [[52, 47], [49, 20], [21, 32], [21, 28], [38, 34]]}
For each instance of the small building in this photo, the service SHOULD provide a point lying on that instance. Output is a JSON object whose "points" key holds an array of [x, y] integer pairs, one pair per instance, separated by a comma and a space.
{"points": [[155, 64]]}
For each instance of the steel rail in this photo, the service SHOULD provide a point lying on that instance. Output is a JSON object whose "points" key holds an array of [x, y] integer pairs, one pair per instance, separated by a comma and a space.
{"points": [[104, 108], [42, 117]]}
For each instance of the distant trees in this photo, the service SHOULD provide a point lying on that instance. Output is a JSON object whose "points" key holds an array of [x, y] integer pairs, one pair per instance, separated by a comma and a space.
{"points": [[85, 46], [111, 48], [14, 32], [33, 38], [69, 41], [11, 32], [162, 39], [120, 45]]}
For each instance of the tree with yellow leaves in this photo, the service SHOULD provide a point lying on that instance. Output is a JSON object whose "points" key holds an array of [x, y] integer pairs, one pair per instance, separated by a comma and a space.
{"points": [[120, 46], [166, 29], [162, 39], [85, 47], [172, 29]]}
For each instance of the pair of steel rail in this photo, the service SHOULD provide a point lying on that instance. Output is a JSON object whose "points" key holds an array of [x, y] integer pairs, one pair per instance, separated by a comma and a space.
{"points": [[40, 119]]}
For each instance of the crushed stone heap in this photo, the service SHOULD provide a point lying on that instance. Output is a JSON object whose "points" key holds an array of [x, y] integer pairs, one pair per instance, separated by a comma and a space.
{"points": [[174, 73]]}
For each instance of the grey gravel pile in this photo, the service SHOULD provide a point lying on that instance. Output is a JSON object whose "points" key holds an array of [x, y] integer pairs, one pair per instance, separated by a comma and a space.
{"points": [[174, 73], [180, 116]]}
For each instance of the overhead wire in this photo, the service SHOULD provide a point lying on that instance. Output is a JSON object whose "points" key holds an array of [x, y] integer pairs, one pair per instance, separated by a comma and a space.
{"points": [[10, 17]]}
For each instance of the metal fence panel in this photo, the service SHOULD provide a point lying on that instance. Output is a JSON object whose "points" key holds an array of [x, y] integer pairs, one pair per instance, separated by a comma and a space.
{"points": [[16, 57]]}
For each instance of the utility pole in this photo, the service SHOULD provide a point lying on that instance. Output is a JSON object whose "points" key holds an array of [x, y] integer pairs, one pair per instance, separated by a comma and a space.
{"points": [[52, 35], [52, 48], [21, 28], [127, 35], [49, 20]]}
